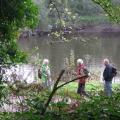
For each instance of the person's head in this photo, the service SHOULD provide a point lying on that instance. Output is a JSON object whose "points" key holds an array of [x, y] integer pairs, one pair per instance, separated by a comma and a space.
{"points": [[45, 62], [79, 61], [106, 62]]}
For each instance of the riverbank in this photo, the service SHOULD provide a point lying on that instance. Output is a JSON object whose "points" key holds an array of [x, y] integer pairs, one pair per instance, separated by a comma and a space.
{"points": [[68, 91], [73, 30]]}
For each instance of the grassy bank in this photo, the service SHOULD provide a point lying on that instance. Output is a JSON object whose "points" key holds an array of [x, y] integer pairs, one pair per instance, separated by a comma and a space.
{"points": [[70, 89]]}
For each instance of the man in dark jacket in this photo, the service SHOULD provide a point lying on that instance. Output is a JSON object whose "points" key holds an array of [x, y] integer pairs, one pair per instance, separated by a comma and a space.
{"points": [[107, 77]]}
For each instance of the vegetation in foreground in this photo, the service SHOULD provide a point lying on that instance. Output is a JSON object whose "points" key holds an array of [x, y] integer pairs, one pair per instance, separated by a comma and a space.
{"points": [[67, 105]]}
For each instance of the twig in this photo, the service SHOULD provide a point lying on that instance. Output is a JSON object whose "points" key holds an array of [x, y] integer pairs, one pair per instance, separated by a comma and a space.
{"points": [[71, 81], [53, 92], [59, 16], [55, 88]]}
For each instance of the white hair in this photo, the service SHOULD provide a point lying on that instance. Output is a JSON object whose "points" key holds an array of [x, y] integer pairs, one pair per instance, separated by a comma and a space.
{"points": [[79, 61], [45, 61], [106, 61]]}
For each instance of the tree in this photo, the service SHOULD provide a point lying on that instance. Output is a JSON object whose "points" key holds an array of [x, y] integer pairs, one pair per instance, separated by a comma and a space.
{"points": [[112, 10], [14, 16], [78, 12]]}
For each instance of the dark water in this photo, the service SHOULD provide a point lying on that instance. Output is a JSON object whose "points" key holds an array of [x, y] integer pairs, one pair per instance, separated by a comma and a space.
{"points": [[91, 47]]}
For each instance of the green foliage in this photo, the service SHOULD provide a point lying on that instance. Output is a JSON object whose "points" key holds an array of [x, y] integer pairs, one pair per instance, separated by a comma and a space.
{"points": [[101, 107], [3, 89], [3, 94], [72, 12], [18, 116], [35, 100], [110, 8], [96, 107], [14, 16], [84, 8]]}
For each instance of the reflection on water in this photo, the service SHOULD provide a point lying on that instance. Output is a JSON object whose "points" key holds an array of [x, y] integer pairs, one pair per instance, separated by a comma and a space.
{"points": [[92, 48]]}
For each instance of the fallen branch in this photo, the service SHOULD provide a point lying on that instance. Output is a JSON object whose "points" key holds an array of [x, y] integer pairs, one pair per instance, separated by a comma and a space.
{"points": [[55, 88], [71, 81], [52, 93]]}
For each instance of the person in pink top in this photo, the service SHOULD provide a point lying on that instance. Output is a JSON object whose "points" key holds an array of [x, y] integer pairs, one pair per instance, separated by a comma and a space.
{"points": [[81, 71]]}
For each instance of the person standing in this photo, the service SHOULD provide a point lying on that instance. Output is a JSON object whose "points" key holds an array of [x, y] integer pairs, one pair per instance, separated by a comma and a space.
{"points": [[46, 74], [108, 75], [81, 72]]}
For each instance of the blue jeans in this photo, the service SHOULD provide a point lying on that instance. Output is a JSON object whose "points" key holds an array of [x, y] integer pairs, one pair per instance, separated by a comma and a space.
{"points": [[108, 88]]}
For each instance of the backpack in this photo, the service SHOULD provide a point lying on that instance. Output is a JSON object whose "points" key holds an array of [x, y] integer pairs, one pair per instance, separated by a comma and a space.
{"points": [[86, 72], [39, 73], [114, 71]]}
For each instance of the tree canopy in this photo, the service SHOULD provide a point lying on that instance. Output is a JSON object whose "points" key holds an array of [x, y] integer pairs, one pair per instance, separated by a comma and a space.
{"points": [[79, 12], [112, 9], [14, 16]]}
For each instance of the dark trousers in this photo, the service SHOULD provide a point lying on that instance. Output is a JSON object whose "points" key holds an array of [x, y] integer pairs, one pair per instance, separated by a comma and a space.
{"points": [[81, 89]]}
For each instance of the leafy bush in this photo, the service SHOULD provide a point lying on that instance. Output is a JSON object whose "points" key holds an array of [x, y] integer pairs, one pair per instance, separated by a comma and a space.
{"points": [[101, 107]]}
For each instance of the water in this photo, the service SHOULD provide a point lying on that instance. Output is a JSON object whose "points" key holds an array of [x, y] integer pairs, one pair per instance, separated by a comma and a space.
{"points": [[91, 47]]}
